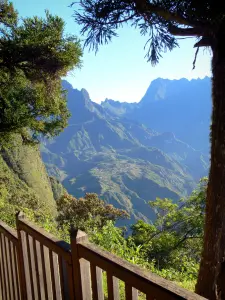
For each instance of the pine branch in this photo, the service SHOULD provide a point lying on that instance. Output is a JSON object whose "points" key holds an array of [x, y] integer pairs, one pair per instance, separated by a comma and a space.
{"points": [[145, 6]]}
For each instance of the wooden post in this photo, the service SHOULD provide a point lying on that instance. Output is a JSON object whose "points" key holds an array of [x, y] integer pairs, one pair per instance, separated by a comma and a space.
{"points": [[20, 259], [78, 236]]}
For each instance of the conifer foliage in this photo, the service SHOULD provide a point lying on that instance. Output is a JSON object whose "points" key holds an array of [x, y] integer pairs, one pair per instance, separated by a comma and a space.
{"points": [[34, 55]]}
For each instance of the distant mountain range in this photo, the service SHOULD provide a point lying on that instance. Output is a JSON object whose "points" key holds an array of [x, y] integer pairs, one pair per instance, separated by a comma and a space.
{"points": [[179, 106], [115, 149]]}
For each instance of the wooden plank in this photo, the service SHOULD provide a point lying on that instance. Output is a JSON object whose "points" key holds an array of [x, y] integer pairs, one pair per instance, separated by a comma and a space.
{"points": [[61, 275], [16, 271], [56, 276], [40, 271], [69, 272], [94, 282], [6, 267], [1, 283], [142, 280], [2, 270], [13, 270], [36, 257], [130, 292], [58, 246], [52, 274], [9, 232], [35, 279], [21, 261], [134, 294], [113, 287], [44, 272], [31, 274], [48, 273], [10, 268], [26, 266], [97, 283], [85, 279], [76, 237]]}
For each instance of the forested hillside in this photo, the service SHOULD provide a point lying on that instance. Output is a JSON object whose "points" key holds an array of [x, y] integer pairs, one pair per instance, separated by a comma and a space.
{"points": [[23, 175]]}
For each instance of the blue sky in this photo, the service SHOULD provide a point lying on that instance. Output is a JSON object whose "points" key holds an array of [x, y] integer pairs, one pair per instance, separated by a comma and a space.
{"points": [[119, 70]]}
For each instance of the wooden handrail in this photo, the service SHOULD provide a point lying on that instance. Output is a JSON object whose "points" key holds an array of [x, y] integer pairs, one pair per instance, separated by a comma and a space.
{"points": [[138, 278], [9, 232], [59, 246], [49, 266]]}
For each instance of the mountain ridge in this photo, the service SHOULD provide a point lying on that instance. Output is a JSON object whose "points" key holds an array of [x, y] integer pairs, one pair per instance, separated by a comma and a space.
{"points": [[122, 160], [183, 106]]}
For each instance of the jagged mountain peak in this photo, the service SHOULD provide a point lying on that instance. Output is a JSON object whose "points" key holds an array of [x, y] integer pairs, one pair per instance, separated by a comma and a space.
{"points": [[163, 89]]}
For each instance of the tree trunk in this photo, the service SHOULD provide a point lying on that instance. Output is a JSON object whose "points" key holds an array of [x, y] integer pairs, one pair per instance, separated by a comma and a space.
{"points": [[211, 279]]}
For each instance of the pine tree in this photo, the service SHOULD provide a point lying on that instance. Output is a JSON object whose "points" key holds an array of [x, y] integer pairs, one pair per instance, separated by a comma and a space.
{"points": [[34, 55]]}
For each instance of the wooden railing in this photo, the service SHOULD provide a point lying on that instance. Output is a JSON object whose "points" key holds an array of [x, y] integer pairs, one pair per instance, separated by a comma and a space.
{"points": [[36, 265]]}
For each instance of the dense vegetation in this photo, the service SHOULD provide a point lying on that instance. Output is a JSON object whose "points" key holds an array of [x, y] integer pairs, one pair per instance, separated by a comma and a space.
{"points": [[34, 54], [170, 246]]}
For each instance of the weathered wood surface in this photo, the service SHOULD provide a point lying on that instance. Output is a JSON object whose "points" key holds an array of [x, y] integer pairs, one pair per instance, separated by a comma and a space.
{"points": [[9, 232], [146, 282], [9, 276], [47, 263], [60, 247], [97, 282], [113, 287]]}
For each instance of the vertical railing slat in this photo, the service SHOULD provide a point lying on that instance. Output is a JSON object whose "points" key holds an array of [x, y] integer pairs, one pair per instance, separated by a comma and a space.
{"points": [[77, 237], [85, 279], [69, 272], [40, 270], [61, 274], [30, 265], [134, 294], [130, 292], [44, 270], [55, 259], [52, 274], [113, 287], [36, 268], [8, 263], [1, 279], [6, 267], [97, 284], [12, 277], [20, 259], [16, 270], [26, 266], [2, 268]]}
